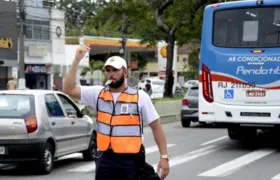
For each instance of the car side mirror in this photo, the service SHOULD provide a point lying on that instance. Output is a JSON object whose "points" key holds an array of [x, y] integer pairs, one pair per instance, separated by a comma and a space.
{"points": [[85, 112]]}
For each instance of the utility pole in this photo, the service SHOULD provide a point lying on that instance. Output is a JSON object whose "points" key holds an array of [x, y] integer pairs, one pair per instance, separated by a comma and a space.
{"points": [[124, 31], [123, 42], [21, 80], [123, 49]]}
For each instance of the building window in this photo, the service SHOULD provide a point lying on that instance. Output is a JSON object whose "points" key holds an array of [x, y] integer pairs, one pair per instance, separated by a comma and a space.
{"points": [[37, 29], [153, 74]]}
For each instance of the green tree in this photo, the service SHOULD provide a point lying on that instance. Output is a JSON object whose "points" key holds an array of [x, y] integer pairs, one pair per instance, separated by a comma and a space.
{"points": [[93, 65], [193, 63], [150, 20], [76, 13], [142, 61], [93, 28], [153, 20]]}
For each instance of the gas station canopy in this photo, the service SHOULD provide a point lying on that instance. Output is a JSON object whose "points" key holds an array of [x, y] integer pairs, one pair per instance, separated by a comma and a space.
{"points": [[101, 45]]}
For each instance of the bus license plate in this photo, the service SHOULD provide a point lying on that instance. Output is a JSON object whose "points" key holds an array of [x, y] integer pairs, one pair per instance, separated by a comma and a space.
{"points": [[255, 114], [255, 93], [2, 150]]}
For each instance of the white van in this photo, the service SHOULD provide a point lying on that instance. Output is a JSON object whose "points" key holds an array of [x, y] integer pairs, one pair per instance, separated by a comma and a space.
{"points": [[157, 86]]}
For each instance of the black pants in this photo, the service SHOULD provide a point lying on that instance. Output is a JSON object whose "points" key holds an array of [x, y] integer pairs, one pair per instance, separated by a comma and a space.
{"points": [[112, 166]]}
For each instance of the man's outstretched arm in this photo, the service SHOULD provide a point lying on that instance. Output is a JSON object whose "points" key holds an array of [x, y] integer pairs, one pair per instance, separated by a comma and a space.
{"points": [[69, 84]]}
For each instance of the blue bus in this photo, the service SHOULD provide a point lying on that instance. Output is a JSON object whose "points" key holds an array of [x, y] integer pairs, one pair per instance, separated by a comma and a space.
{"points": [[239, 69]]}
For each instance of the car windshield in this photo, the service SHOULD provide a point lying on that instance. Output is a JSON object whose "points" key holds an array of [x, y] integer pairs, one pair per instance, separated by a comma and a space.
{"points": [[15, 106], [192, 82], [193, 92]]}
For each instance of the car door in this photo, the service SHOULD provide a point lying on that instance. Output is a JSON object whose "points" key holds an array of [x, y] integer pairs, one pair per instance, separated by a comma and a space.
{"points": [[79, 125], [60, 125]]}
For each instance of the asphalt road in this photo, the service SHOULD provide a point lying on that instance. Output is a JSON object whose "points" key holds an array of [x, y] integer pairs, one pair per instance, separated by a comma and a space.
{"points": [[197, 153]]}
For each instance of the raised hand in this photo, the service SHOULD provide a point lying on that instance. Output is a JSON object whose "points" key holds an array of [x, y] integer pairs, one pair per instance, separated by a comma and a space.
{"points": [[81, 51]]}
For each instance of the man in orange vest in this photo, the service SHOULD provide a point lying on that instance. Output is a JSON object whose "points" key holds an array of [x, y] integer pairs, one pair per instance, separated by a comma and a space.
{"points": [[121, 112]]}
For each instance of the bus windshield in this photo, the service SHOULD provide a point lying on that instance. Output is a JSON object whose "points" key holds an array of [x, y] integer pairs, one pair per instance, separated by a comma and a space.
{"points": [[247, 27]]}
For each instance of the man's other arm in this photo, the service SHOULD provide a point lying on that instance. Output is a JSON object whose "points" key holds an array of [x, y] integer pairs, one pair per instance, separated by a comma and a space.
{"points": [[159, 136], [151, 117]]}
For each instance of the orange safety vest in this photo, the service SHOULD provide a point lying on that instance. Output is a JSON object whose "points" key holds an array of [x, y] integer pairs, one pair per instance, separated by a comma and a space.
{"points": [[119, 124]]}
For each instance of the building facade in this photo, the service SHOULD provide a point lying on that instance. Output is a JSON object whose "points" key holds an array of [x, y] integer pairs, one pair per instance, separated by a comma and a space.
{"points": [[58, 47], [8, 43], [44, 44], [38, 45]]}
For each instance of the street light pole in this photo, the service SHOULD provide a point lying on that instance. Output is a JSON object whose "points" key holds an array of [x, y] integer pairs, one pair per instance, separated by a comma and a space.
{"points": [[123, 49]]}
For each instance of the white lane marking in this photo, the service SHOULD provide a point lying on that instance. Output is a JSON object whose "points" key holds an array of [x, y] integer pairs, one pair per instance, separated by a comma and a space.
{"points": [[234, 165], [5, 166], [201, 149], [91, 166], [85, 168], [74, 155], [155, 148], [177, 160], [214, 140], [277, 177]]}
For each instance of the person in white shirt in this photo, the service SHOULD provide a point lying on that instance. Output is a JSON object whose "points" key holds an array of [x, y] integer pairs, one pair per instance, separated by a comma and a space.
{"points": [[121, 112]]}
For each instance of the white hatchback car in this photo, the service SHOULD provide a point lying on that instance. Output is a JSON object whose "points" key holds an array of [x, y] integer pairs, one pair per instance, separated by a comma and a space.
{"points": [[190, 83], [157, 86], [38, 126]]}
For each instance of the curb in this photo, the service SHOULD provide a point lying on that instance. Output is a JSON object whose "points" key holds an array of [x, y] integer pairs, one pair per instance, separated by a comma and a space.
{"points": [[168, 119]]}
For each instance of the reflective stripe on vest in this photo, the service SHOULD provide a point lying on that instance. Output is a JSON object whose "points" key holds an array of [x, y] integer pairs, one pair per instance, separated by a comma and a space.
{"points": [[119, 124]]}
